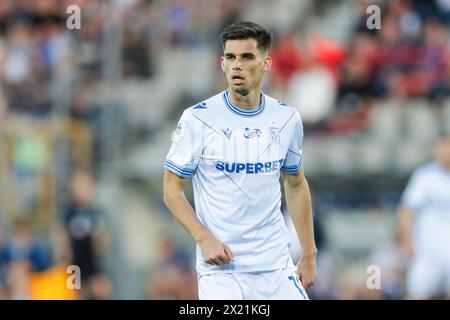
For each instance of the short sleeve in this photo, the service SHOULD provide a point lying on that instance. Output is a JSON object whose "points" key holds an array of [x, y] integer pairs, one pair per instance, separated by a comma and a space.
{"points": [[293, 162], [415, 193], [184, 152]]}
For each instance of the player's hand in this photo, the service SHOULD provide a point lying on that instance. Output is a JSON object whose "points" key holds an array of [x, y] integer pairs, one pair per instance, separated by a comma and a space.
{"points": [[215, 251], [408, 250], [307, 270]]}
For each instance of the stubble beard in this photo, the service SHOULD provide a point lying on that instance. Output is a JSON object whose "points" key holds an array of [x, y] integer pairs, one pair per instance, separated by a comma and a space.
{"points": [[243, 91]]}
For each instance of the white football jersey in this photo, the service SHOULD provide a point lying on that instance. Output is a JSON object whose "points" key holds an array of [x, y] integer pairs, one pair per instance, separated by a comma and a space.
{"points": [[428, 195], [235, 157]]}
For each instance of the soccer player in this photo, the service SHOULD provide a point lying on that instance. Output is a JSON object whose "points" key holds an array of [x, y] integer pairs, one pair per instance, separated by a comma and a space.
{"points": [[424, 217], [235, 145]]}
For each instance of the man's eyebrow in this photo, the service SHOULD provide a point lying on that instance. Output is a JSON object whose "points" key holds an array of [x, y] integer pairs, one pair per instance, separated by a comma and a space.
{"points": [[245, 54]]}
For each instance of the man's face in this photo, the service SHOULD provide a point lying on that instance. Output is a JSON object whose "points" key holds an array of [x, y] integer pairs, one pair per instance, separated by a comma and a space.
{"points": [[244, 65], [442, 152]]}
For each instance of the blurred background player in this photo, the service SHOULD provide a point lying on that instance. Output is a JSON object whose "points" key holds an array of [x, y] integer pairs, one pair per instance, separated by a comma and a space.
{"points": [[235, 145], [425, 226]]}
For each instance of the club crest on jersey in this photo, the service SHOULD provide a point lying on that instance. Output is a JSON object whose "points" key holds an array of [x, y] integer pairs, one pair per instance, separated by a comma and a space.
{"points": [[275, 135], [251, 133], [227, 132]]}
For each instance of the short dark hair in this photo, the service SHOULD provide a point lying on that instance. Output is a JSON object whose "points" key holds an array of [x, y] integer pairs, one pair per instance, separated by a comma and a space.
{"points": [[244, 30]]}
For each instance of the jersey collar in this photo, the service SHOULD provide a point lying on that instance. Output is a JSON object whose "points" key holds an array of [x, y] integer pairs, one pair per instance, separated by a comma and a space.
{"points": [[241, 112]]}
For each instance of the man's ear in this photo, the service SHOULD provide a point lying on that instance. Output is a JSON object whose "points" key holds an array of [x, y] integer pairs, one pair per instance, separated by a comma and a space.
{"points": [[222, 58], [267, 64]]}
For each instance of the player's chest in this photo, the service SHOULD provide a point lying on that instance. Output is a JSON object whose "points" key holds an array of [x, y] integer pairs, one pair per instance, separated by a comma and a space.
{"points": [[248, 143], [439, 192]]}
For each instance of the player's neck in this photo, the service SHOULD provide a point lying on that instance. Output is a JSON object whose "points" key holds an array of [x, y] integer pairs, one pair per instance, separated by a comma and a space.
{"points": [[250, 101], [445, 166]]}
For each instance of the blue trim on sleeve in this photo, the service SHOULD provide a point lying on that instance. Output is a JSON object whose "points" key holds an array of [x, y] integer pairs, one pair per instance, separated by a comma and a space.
{"points": [[182, 172], [177, 172], [187, 170], [292, 169]]}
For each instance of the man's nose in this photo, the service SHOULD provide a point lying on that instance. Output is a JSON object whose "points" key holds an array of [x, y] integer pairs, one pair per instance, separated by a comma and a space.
{"points": [[237, 65]]}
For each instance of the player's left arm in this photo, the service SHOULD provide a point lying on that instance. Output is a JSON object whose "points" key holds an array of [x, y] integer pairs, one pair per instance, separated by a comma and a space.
{"points": [[298, 200]]}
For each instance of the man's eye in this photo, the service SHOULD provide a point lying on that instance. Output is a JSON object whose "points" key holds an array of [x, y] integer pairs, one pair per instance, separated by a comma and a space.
{"points": [[230, 58]]}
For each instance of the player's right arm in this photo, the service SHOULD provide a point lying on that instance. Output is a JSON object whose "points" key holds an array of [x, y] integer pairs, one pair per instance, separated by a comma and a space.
{"points": [[413, 198], [406, 224], [213, 250]]}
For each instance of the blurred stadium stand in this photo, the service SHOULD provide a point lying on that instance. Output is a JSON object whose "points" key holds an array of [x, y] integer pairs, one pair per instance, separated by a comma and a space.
{"points": [[104, 100]]}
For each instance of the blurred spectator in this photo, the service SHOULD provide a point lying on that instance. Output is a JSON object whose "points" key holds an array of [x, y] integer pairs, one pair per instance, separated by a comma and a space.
{"points": [[135, 55], [27, 153], [357, 73], [23, 255], [181, 17], [286, 60], [17, 66], [86, 227], [85, 126], [434, 61], [137, 50], [173, 277], [18, 280], [23, 247], [443, 7], [312, 90], [350, 284], [3, 261], [390, 258], [53, 283], [101, 287], [329, 54], [3, 109]]}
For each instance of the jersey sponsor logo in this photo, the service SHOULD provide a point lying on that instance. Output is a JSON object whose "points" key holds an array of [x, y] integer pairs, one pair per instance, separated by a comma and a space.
{"points": [[249, 168], [251, 133], [227, 132]]}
